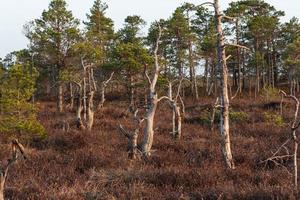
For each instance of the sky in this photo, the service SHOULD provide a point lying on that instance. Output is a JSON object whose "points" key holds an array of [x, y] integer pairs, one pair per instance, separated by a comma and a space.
{"points": [[15, 13]]}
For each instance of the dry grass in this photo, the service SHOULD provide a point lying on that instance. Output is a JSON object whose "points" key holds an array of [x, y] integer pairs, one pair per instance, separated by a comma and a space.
{"points": [[81, 165]]}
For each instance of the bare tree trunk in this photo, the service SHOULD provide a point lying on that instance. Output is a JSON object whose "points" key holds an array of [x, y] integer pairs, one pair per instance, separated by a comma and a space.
{"points": [[78, 113], [90, 111], [224, 100], [2, 183], [84, 94], [133, 137], [238, 57], [71, 97], [16, 146], [60, 97], [103, 88], [131, 93], [150, 112], [206, 78], [148, 131], [176, 113]]}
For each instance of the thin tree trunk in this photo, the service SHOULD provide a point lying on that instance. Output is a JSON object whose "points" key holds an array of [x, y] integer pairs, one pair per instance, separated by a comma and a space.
{"points": [[71, 97], [60, 97], [90, 111], [238, 56]]}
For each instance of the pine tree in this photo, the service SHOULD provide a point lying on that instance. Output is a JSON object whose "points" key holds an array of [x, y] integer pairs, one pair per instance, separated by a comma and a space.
{"points": [[17, 113], [52, 37]]}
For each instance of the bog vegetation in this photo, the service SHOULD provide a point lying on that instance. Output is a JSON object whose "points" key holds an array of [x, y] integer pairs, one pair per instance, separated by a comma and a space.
{"points": [[203, 106]]}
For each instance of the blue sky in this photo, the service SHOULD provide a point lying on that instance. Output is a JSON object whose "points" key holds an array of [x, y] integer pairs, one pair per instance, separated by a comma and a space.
{"points": [[15, 13]]}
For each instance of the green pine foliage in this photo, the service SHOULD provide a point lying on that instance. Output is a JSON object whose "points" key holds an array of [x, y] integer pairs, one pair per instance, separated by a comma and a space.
{"points": [[17, 113]]}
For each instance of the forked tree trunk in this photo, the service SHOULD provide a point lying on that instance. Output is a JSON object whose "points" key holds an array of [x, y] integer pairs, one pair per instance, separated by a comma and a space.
{"points": [[224, 100], [103, 88], [16, 146], [148, 130], [176, 113], [153, 101]]}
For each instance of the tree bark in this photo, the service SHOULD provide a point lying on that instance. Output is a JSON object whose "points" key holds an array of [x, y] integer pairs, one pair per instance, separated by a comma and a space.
{"points": [[71, 97], [224, 100], [60, 97], [150, 112], [90, 111]]}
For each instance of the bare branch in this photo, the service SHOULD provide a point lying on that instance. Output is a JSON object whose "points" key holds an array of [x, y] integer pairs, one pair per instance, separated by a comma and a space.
{"points": [[236, 93], [109, 79], [229, 56], [206, 3], [228, 17], [178, 89], [165, 97], [238, 45], [148, 78], [125, 133]]}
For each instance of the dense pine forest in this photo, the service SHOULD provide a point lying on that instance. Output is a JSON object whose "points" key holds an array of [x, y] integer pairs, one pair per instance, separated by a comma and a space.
{"points": [[203, 105]]}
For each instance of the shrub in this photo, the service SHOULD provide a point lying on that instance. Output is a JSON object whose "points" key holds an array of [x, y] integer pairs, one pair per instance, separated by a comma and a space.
{"points": [[270, 93], [273, 118]]}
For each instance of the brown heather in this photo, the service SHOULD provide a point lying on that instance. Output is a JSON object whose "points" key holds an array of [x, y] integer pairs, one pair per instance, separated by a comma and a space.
{"points": [[81, 165]]}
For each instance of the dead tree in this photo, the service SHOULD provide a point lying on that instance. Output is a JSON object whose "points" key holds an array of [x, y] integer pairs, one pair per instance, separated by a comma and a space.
{"points": [[103, 87], [153, 101], [132, 137], [223, 85], [214, 109], [224, 100], [90, 106], [176, 111], [79, 107], [17, 148], [277, 158], [84, 67], [88, 90]]}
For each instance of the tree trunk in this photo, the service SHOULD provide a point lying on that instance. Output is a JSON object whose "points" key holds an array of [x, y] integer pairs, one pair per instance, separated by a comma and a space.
{"points": [[131, 95], [60, 97], [2, 183], [148, 131], [71, 97], [102, 100], [224, 100], [150, 113], [78, 112], [90, 111], [238, 57], [84, 94]]}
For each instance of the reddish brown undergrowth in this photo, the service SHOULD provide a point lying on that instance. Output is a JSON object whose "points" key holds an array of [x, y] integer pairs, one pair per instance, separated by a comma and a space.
{"points": [[81, 165]]}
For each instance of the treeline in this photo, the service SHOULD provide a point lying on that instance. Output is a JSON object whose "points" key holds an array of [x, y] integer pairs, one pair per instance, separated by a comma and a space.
{"points": [[76, 61], [58, 48]]}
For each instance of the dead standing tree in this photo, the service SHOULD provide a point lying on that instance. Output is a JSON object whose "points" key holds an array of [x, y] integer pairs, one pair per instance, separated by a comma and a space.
{"points": [[85, 98], [153, 102], [16, 147], [277, 158], [132, 137], [223, 83], [176, 110], [103, 87]]}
